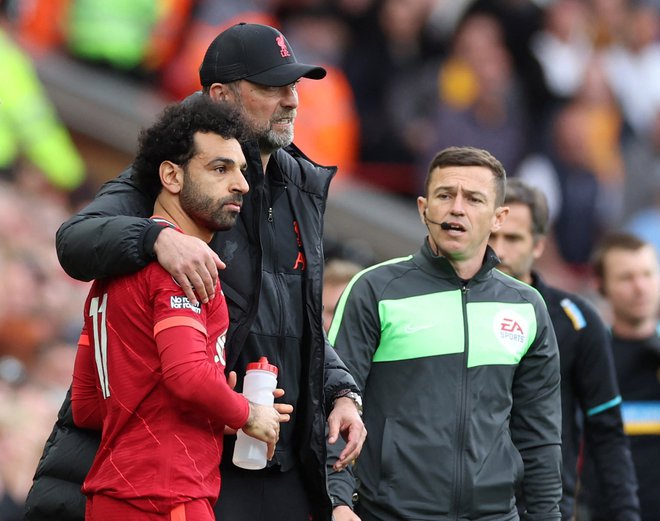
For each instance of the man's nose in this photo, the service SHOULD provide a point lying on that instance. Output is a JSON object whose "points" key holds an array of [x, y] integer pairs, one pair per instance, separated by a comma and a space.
{"points": [[290, 96], [240, 184], [457, 205]]}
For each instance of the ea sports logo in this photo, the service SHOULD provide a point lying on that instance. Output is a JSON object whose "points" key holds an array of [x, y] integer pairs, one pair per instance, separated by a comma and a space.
{"points": [[511, 329]]}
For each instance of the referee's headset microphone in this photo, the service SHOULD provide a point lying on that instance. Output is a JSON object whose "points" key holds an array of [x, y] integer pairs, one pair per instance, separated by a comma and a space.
{"points": [[443, 225]]}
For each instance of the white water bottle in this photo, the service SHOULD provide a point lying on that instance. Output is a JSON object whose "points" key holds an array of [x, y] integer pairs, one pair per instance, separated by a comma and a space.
{"points": [[258, 386]]}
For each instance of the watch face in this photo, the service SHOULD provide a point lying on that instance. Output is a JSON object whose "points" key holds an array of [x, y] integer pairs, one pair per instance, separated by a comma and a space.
{"points": [[354, 397], [357, 399]]}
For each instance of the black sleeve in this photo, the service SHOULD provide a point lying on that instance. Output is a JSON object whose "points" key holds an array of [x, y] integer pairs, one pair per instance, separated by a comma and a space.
{"points": [[536, 421], [110, 236], [595, 377], [610, 452], [355, 333], [337, 377]]}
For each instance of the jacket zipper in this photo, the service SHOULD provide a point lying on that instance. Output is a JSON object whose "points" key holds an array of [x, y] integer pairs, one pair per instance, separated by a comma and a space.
{"points": [[462, 419], [278, 283]]}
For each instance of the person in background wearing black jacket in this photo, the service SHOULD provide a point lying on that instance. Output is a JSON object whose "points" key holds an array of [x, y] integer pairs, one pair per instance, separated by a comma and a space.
{"points": [[590, 397], [272, 283], [628, 276]]}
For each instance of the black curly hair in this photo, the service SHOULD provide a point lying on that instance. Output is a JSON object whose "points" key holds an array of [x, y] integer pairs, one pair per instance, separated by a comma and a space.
{"points": [[171, 137]]}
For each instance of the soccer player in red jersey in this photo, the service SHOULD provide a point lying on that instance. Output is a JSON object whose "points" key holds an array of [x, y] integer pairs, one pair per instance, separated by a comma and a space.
{"points": [[150, 365]]}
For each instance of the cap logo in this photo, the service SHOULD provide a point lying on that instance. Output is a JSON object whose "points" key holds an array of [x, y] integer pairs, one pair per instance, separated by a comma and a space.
{"points": [[284, 52]]}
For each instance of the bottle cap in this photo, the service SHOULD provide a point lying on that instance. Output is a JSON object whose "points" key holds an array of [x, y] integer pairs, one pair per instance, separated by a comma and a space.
{"points": [[262, 365]]}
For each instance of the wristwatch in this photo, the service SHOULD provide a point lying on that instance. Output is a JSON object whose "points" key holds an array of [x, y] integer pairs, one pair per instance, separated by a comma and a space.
{"points": [[351, 395]]}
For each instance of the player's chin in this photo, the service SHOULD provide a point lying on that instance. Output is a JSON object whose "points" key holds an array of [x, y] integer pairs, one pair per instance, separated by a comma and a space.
{"points": [[226, 221]]}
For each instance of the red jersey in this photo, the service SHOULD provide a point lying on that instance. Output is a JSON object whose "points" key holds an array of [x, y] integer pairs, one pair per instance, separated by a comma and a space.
{"points": [[150, 373]]}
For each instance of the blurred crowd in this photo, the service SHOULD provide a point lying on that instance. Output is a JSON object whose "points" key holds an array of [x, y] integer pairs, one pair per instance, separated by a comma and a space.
{"points": [[40, 317], [566, 93]]}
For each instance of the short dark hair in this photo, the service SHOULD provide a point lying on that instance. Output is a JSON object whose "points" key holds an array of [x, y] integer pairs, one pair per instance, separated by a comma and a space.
{"points": [[519, 192], [171, 137], [470, 156], [614, 241]]}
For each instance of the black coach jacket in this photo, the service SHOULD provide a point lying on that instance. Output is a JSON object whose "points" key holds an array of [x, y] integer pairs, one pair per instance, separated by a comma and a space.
{"points": [[103, 241]]}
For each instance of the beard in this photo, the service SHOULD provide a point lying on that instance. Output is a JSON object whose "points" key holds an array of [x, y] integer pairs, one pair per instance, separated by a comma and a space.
{"points": [[205, 211], [269, 139]]}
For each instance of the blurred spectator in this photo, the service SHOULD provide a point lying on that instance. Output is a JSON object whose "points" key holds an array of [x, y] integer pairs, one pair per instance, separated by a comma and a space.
{"points": [[445, 16], [480, 100], [12, 448], [581, 168], [577, 225], [328, 129], [563, 46], [29, 266], [520, 20], [608, 21], [27, 411], [633, 66], [604, 128], [51, 372], [646, 223], [336, 276], [383, 61], [139, 36], [642, 188], [128, 35], [29, 126], [39, 24], [39, 314], [628, 276]]}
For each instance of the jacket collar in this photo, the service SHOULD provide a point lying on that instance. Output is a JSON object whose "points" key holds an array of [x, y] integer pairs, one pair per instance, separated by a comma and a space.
{"points": [[440, 266], [538, 283]]}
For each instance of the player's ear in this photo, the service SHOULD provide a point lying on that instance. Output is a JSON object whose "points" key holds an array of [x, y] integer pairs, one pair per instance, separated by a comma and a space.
{"points": [[171, 176]]}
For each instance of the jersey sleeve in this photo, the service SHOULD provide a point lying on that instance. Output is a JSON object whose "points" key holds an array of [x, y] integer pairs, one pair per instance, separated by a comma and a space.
{"points": [[192, 377], [191, 372], [85, 399]]}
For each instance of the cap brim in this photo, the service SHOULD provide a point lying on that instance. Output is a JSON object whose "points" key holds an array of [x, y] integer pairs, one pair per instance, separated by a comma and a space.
{"points": [[287, 73]]}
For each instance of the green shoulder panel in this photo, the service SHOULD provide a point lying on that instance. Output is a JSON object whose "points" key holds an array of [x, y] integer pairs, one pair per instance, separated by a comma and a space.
{"points": [[416, 327]]}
